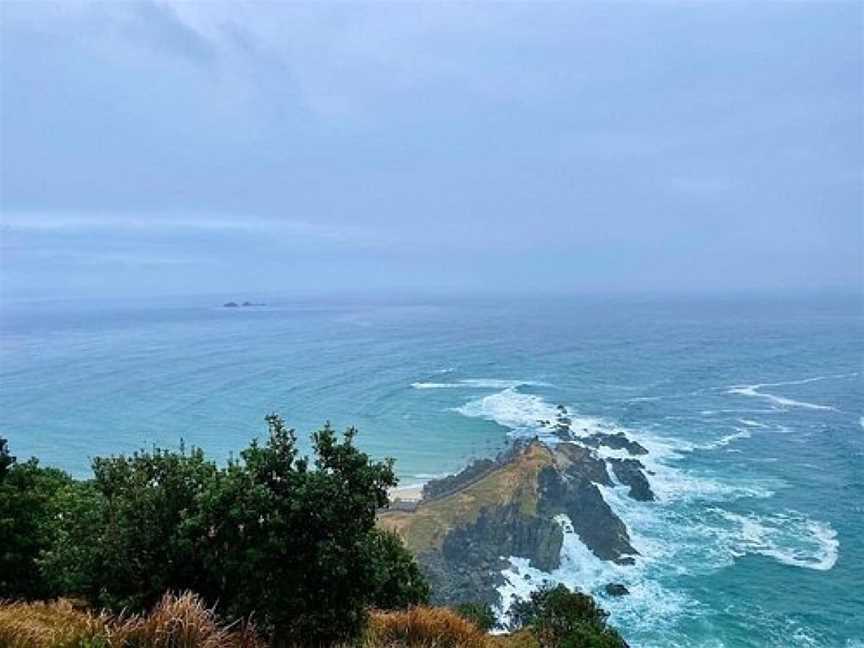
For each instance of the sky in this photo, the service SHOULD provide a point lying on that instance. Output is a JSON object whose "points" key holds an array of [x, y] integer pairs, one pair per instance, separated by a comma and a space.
{"points": [[172, 148]]}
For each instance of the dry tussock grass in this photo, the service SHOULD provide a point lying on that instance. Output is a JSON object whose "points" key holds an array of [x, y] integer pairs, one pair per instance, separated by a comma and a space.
{"points": [[57, 624], [423, 627], [176, 622], [185, 622]]}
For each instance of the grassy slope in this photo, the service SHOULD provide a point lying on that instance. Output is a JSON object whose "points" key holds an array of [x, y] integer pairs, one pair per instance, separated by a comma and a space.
{"points": [[424, 529]]}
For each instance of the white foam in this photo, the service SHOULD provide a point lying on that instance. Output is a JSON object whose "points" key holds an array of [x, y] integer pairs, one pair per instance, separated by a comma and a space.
{"points": [[804, 381], [522, 413], [790, 538], [751, 423], [428, 476], [513, 409], [647, 604], [782, 401], [722, 442]]}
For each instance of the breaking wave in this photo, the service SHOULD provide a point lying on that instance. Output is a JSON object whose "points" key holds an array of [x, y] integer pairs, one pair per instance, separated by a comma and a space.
{"points": [[684, 531], [790, 538], [782, 401]]}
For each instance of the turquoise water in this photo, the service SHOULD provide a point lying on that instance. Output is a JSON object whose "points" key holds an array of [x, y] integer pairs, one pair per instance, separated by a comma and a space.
{"points": [[752, 410]]}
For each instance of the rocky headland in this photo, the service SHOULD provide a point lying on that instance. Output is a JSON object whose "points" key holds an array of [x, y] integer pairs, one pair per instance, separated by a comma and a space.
{"points": [[467, 525]]}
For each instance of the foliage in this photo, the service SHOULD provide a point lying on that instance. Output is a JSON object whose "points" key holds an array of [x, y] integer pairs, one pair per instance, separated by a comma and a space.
{"points": [[276, 534], [27, 497], [72, 557], [480, 614], [398, 581], [139, 552], [560, 618], [292, 543], [288, 539], [6, 459]]}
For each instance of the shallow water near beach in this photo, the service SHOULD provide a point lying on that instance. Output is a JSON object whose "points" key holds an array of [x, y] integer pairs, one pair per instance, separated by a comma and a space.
{"points": [[753, 412]]}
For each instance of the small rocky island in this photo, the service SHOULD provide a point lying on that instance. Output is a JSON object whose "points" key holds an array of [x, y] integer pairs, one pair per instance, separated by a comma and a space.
{"points": [[245, 304], [466, 526]]}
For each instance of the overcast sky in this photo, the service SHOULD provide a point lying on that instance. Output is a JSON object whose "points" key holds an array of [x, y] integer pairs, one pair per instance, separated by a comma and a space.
{"points": [[178, 148]]}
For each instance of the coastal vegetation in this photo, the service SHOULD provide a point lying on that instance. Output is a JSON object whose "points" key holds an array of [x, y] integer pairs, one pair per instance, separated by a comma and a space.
{"points": [[167, 548]]}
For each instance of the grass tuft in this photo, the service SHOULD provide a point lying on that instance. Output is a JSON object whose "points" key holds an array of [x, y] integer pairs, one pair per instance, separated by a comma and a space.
{"points": [[176, 622], [423, 627]]}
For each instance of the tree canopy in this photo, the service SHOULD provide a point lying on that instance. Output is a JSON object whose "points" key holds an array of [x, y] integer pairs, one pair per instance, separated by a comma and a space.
{"points": [[287, 538]]}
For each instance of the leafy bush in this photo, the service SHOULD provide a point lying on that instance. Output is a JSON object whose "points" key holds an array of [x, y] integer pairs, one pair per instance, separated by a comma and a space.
{"points": [[560, 618], [480, 614], [6, 459], [291, 540], [291, 543], [398, 582], [27, 508]]}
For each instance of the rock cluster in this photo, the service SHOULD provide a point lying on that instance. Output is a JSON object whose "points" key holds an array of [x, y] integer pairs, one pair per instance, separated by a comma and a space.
{"points": [[467, 525]]}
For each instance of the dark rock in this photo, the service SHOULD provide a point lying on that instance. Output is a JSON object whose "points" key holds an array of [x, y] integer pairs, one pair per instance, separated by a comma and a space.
{"points": [[616, 441], [616, 589], [229, 305], [581, 463], [626, 560], [593, 520], [469, 565], [452, 483], [629, 472]]}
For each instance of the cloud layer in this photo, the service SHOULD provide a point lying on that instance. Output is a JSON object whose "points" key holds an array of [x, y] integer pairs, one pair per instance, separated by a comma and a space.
{"points": [[477, 147]]}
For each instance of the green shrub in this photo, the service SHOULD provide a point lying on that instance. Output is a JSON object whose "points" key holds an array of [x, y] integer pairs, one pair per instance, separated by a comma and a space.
{"points": [[560, 618], [398, 582], [27, 496], [287, 538]]}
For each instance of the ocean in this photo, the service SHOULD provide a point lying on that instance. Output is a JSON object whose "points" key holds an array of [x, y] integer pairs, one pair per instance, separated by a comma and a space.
{"points": [[752, 409]]}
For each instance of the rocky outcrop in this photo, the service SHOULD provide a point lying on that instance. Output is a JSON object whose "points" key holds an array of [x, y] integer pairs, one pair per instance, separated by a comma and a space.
{"points": [[467, 526], [598, 527], [471, 558], [578, 462], [629, 472], [616, 441]]}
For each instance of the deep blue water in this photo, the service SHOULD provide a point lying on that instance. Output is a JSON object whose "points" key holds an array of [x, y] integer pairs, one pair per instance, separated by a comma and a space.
{"points": [[752, 410]]}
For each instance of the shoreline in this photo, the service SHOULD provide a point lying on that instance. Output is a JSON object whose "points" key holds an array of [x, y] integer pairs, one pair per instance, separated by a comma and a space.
{"points": [[407, 493]]}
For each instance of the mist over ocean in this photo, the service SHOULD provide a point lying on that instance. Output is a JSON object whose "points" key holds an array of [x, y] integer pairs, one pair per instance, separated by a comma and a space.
{"points": [[752, 410]]}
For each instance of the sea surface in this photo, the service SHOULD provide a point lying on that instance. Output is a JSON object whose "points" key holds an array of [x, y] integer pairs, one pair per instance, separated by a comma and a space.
{"points": [[753, 410]]}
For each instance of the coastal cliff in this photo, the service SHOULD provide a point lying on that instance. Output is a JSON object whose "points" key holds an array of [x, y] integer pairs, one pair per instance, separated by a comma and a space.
{"points": [[467, 526]]}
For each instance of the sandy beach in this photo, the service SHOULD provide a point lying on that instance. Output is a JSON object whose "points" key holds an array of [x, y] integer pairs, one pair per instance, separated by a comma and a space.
{"points": [[410, 493]]}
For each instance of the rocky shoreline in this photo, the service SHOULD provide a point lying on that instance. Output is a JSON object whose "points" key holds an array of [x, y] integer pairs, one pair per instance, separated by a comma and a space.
{"points": [[466, 526]]}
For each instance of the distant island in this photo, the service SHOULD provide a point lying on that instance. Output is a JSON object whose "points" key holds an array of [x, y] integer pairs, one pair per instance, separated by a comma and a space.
{"points": [[245, 304]]}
